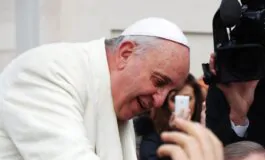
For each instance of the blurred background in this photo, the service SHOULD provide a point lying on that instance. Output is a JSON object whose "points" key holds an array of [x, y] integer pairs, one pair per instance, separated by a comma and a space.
{"points": [[25, 24]]}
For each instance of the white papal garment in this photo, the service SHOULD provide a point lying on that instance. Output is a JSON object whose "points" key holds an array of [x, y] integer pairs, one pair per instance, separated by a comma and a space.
{"points": [[56, 104]]}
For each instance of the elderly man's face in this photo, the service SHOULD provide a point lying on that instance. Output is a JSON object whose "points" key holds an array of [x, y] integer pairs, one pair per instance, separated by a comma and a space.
{"points": [[142, 80]]}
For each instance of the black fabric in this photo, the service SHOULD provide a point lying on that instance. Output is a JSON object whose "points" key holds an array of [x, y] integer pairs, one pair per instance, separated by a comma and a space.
{"points": [[143, 125], [149, 146], [150, 139], [217, 116]]}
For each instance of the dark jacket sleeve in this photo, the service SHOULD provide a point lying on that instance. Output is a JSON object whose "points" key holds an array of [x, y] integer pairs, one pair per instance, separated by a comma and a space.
{"points": [[151, 140], [149, 145], [217, 116]]}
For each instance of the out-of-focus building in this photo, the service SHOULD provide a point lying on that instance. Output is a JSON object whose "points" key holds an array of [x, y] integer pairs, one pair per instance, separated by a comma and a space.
{"points": [[28, 23]]}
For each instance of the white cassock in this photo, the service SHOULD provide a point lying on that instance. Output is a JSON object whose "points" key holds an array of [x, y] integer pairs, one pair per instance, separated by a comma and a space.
{"points": [[56, 104]]}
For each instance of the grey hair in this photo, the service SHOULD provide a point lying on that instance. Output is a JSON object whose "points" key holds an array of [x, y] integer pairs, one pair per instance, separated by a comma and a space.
{"points": [[242, 149], [142, 42]]}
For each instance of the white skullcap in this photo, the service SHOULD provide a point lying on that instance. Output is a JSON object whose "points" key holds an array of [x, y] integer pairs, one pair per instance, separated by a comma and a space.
{"points": [[157, 27]]}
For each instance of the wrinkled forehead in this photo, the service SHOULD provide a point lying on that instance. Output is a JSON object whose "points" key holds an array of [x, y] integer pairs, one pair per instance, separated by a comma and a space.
{"points": [[176, 64], [168, 50], [170, 59], [179, 77]]}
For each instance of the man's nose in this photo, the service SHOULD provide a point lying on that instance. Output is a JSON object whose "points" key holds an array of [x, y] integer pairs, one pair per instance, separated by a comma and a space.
{"points": [[159, 98]]}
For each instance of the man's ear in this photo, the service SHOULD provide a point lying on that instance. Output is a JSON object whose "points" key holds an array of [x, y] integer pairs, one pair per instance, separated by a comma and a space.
{"points": [[125, 51]]}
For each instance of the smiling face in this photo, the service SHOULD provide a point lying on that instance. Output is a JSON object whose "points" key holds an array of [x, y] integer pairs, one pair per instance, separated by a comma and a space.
{"points": [[141, 81]]}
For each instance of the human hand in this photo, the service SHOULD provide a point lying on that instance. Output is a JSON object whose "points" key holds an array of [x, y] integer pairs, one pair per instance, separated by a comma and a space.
{"points": [[239, 95], [195, 142]]}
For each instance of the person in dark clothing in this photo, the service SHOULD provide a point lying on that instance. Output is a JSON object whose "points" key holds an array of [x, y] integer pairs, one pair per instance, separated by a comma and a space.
{"points": [[219, 121], [151, 125], [150, 138], [236, 111]]}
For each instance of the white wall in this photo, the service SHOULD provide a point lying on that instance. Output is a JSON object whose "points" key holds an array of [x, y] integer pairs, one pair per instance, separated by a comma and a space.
{"points": [[201, 48], [84, 20], [7, 32]]}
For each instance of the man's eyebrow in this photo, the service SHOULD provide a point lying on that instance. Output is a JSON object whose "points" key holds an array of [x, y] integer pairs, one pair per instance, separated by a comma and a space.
{"points": [[164, 77]]}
